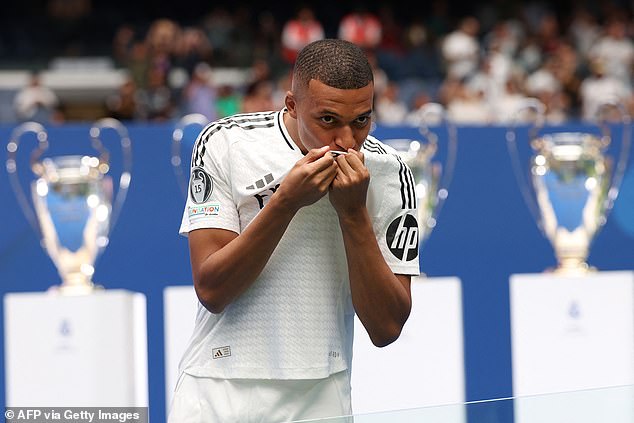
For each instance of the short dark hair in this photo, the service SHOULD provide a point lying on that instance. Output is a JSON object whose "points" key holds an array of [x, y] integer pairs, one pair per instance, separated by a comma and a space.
{"points": [[337, 63]]}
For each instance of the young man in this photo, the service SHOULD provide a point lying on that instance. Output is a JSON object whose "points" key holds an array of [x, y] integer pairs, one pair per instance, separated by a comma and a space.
{"points": [[288, 241]]}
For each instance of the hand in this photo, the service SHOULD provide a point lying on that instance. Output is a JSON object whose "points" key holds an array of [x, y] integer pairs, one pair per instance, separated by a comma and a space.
{"points": [[308, 180], [349, 189]]}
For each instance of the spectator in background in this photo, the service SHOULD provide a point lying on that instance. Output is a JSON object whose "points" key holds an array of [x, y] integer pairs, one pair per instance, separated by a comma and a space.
{"points": [[219, 26], [258, 97], [569, 70], [36, 102], [548, 33], [267, 43], [583, 28], [615, 50], [380, 76], [417, 116], [599, 88], [191, 48], [421, 58], [199, 95], [361, 27], [162, 40], [156, 102], [122, 43], [461, 49], [544, 86], [123, 105], [465, 104], [228, 101], [506, 109], [299, 31], [389, 109]]}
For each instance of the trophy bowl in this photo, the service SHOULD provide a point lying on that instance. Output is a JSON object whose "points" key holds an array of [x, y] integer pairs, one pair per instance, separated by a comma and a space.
{"points": [[432, 176], [72, 208], [570, 183], [184, 136]]}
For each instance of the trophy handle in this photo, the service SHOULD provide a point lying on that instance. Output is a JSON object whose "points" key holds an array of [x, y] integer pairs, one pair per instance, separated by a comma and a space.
{"points": [[435, 112], [104, 157], [621, 166], [539, 109], [12, 169], [177, 138]]}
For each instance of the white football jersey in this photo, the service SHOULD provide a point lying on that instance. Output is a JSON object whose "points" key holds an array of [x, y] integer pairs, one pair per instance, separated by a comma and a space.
{"points": [[296, 320]]}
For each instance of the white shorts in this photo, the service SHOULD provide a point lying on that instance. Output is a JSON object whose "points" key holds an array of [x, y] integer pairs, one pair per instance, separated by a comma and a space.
{"points": [[210, 400]]}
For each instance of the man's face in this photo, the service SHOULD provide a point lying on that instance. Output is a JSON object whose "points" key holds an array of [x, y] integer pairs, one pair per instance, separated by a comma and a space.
{"points": [[330, 116]]}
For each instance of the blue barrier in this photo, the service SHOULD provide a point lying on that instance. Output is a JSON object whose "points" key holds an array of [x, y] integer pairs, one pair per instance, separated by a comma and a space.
{"points": [[485, 232]]}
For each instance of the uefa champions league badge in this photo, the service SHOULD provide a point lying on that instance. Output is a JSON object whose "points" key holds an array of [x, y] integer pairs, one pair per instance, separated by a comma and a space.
{"points": [[200, 185]]}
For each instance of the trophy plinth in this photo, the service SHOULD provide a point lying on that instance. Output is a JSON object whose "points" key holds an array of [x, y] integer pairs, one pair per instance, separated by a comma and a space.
{"points": [[71, 203]]}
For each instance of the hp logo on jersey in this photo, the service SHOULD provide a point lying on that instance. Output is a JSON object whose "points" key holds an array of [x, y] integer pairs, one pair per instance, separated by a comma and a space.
{"points": [[200, 185], [402, 237]]}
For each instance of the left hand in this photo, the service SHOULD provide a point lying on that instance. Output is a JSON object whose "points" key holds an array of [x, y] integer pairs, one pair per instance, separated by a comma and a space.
{"points": [[349, 189]]}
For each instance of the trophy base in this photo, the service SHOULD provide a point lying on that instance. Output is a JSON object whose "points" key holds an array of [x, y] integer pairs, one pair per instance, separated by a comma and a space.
{"points": [[68, 289], [582, 269]]}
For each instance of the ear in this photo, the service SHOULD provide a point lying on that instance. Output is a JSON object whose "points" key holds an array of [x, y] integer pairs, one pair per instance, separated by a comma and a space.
{"points": [[291, 104]]}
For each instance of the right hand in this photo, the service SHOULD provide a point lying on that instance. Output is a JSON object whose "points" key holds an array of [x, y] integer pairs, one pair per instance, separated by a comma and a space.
{"points": [[308, 180]]}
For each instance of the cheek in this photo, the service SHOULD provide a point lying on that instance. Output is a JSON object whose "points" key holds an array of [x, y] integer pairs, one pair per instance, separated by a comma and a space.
{"points": [[312, 137], [360, 137]]}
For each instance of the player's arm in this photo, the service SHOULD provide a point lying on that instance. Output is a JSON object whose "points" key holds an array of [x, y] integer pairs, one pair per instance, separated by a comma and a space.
{"points": [[225, 264], [382, 299]]}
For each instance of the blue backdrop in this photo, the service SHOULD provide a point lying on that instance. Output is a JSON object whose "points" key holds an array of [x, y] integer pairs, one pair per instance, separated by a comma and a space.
{"points": [[485, 232]]}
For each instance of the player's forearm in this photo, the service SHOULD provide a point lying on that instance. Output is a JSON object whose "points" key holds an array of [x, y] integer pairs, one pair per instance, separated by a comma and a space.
{"points": [[380, 300], [230, 271]]}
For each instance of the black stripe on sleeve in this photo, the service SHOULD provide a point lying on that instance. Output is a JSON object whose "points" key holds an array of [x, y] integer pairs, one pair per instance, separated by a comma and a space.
{"points": [[407, 185]]}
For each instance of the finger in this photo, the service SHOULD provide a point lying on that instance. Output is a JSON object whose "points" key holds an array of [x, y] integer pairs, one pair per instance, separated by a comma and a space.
{"points": [[344, 165], [357, 154], [326, 176], [322, 163], [315, 154], [352, 162]]}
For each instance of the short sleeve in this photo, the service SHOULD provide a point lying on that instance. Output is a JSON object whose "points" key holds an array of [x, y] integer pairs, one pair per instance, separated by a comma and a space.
{"points": [[392, 205], [210, 202]]}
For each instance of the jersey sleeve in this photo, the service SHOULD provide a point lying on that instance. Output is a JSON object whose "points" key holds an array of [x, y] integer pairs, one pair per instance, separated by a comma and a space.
{"points": [[210, 202], [392, 203]]}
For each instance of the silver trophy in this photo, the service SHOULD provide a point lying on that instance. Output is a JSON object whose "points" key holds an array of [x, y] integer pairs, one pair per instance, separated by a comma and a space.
{"points": [[185, 133], [571, 181], [431, 175], [72, 207]]}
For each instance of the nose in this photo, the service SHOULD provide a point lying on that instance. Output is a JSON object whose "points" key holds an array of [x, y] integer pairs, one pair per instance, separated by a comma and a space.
{"points": [[344, 138]]}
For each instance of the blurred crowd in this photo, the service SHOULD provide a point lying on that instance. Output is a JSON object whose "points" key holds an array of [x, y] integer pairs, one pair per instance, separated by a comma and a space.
{"points": [[481, 66]]}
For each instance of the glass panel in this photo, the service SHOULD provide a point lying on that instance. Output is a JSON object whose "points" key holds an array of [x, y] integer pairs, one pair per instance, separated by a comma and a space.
{"points": [[613, 404]]}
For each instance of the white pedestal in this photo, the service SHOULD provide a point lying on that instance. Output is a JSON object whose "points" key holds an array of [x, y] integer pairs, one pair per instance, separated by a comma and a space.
{"points": [[76, 351], [571, 334], [179, 310], [425, 366]]}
